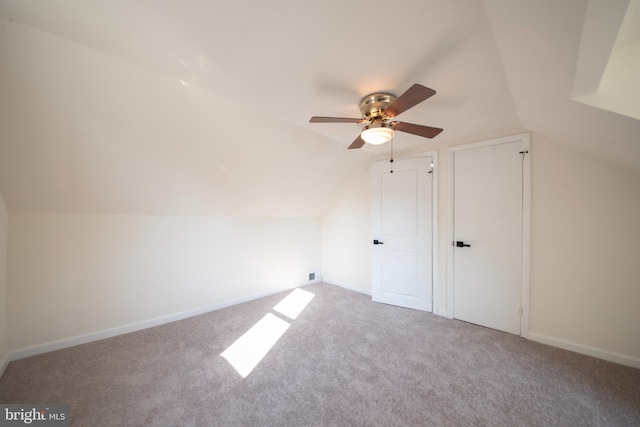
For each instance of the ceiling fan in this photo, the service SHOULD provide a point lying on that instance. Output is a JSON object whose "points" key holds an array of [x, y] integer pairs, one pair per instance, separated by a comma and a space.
{"points": [[377, 111]]}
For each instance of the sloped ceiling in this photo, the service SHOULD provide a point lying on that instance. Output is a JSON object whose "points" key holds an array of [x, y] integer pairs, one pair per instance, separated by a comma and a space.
{"points": [[608, 69], [201, 107], [540, 43]]}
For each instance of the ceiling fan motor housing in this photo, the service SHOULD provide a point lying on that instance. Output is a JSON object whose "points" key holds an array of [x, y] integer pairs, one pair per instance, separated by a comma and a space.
{"points": [[373, 106]]}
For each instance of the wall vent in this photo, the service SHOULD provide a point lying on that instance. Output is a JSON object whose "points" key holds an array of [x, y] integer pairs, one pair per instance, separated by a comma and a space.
{"points": [[312, 276]]}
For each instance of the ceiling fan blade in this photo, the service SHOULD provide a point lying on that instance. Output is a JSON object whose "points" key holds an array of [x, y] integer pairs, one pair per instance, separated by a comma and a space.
{"points": [[412, 97], [358, 143], [333, 120], [425, 131]]}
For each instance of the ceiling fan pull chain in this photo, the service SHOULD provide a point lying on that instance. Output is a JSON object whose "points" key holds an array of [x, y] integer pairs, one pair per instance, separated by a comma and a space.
{"points": [[391, 159]]}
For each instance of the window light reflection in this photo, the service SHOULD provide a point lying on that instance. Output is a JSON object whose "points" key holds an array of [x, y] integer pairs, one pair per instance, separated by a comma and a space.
{"points": [[293, 304], [250, 348]]}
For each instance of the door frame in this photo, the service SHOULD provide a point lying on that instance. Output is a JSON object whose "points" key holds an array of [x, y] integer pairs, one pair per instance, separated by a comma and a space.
{"points": [[434, 221], [525, 138]]}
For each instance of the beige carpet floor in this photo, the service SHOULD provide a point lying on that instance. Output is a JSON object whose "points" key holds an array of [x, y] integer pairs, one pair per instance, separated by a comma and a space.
{"points": [[344, 361]]}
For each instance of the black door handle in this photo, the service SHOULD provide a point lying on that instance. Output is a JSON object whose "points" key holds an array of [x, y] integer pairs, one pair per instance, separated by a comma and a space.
{"points": [[377, 242], [462, 245]]}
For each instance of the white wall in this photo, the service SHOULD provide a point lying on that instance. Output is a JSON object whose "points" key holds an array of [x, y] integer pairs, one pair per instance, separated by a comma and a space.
{"points": [[585, 278], [78, 274], [346, 238], [4, 332]]}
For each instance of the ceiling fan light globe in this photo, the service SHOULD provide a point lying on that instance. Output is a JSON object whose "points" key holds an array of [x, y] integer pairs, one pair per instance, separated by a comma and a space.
{"points": [[377, 135]]}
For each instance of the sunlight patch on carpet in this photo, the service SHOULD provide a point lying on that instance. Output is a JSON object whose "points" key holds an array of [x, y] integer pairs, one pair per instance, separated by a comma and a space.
{"points": [[248, 350], [293, 304], [253, 345]]}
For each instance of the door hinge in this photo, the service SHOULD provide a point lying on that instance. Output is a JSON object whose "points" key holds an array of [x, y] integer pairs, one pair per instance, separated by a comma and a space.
{"points": [[523, 153]]}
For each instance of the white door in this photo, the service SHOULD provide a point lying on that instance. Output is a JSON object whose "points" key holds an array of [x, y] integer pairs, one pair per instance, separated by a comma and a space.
{"points": [[488, 233], [402, 228]]}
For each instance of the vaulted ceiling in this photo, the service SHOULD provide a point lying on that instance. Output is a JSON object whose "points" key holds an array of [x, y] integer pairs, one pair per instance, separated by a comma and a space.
{"points": [[201, 107]]}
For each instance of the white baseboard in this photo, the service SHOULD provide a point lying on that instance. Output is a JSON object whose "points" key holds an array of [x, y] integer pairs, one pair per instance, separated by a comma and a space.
{"points": [[133, 327], [610, 356], [4, 364], [137, 326], [345, 286]]}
